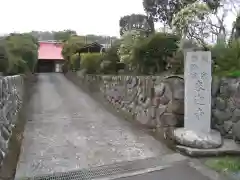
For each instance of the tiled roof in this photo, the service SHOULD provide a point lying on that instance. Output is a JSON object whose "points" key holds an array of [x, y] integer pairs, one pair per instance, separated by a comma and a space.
{"points": [[50, 51]]}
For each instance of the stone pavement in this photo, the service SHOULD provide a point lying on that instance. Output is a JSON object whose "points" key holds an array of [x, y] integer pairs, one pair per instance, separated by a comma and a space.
{"points": [[68, 130]]}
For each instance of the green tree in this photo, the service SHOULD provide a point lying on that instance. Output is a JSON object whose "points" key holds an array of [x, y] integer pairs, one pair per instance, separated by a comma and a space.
{"points": [[192, 22], [228, 60], [236, 29], [64, 35], [126, 47], [100, 39], [151, 54], [22, 53], [71, 46], [91, 62], [165, 10], [136, 22], [111, 58], [3, 56]]}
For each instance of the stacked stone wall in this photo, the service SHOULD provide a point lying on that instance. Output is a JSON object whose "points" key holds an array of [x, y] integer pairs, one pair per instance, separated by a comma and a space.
{"points": [[158, 102], [11, 93]]}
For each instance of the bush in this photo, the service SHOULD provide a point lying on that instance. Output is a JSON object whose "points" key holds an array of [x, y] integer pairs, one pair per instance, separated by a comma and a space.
{"points": [[111, 59], [91, 62], [126, 47], [176, 63], [75, 62], [227, 58], [154, 51]]}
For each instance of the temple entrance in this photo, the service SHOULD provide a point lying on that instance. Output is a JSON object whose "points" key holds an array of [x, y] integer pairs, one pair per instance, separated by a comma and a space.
{"points": [[45, 66]]}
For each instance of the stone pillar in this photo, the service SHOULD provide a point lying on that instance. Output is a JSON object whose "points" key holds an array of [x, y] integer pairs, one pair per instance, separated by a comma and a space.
{"points": [[197, 131]]}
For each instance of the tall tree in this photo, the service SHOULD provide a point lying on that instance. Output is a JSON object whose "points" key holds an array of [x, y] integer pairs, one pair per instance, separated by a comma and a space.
{"points": [[165, 10], [197, 21], [192, 23], [3, 56], [22, 52], [136, 22], [64, 35], [71, 46]]}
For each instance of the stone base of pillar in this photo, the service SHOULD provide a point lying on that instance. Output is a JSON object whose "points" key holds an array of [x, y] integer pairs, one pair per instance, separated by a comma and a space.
{"points": [[200, 140]]}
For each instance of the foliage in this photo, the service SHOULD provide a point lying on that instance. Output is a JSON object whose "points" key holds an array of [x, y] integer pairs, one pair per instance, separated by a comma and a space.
{"points": [[153, 52], [236, 29], [19, 53], [100, 39], [91, 62], [175, 64], [224, 164], [75, 61], [217, 50], [125, 50], [71, 46], [228, 60], [3, 56], [191, 22], [111, 59], [64, 35], [165, 11], [136, 22]]}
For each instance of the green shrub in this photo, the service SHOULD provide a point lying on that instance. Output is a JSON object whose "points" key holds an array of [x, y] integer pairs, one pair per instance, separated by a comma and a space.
{"points": [[153, 52], [176, 63], [111, 59], [91, 62], [227, 59], [75, 61], [126, 47]]}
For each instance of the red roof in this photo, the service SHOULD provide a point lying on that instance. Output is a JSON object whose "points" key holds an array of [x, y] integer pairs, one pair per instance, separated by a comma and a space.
{"points": [[50, 51]]}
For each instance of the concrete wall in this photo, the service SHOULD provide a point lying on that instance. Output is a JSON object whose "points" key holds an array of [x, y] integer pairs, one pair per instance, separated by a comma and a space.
{"points": [[158, 102], [11, 91]]}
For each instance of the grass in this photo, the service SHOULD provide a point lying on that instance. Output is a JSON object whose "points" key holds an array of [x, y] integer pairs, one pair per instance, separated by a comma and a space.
{"points": [[224, 164]]}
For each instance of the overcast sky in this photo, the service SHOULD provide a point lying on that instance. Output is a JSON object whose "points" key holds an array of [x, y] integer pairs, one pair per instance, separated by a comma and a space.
{"points": [[84, 16]]}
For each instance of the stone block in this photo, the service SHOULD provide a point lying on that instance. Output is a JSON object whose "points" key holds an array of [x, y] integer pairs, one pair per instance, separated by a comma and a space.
{"points": [[236, 115], [236, 101], [159, 89], [229, 147], [222, 116], [5, 133], [227, 126], [156, 101], [236, 131], [176, 106], [215, 86], [178, 92], [220, 103], [169, 119], [201, 140], [164, 100], [230, 104], [3, 144]]}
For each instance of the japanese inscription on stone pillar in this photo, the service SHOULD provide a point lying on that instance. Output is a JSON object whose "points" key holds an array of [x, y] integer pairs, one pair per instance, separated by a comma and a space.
{"points": [[197, 75]]}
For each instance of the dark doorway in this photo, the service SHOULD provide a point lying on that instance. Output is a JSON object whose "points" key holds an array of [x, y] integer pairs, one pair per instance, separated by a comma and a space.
{"points": [[45, 66]]}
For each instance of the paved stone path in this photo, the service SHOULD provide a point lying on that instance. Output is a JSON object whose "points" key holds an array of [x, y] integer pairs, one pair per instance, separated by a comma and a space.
{"points": [[68, 130]]}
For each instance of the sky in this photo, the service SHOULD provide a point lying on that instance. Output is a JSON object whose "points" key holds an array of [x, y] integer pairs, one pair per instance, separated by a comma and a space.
{"points": [[85, 16], [99, 17]]}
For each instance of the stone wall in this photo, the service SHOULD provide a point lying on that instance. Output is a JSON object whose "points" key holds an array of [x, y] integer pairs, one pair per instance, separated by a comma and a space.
{"points": [[158, 102], [154, 101], [226, 107], [11, 91]]}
